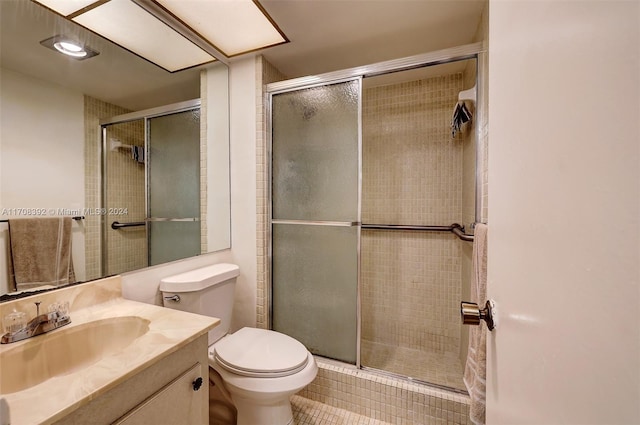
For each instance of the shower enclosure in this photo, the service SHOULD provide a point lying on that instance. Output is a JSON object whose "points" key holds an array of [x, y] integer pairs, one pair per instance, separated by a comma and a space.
{"points": [[151, 187], [373, 203]]}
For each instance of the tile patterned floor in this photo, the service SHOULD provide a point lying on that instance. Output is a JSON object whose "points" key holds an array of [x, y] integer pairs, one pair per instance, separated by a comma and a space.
{"points": [[441, 369], [309, 412]]}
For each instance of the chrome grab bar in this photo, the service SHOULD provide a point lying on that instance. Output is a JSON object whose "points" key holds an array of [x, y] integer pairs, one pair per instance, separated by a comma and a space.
{"points": [[317, 223], [455, 228], [406, 227], [116, 225]]}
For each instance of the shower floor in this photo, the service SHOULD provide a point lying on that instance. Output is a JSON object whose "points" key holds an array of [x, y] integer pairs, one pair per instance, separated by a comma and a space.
{"points": [[440, 369]]}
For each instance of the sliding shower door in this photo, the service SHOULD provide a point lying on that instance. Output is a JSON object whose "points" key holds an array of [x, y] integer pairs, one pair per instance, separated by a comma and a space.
{"points": [[173, 174], [315, 217], [123, 201]]}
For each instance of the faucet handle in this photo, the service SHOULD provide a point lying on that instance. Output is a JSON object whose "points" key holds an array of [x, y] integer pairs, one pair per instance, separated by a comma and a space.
{"points": [[15, 321], [62, 308], [37, 303]]}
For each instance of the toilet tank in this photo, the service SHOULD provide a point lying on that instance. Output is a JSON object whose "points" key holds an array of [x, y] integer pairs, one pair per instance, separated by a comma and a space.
{"points": [[208, 291]]}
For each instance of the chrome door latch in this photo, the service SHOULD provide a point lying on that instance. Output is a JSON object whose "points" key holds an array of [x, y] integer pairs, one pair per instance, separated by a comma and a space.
{"points": [[472, 314]]}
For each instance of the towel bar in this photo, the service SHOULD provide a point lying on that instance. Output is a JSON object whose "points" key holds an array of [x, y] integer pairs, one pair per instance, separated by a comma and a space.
{"points": [[76, 218]]}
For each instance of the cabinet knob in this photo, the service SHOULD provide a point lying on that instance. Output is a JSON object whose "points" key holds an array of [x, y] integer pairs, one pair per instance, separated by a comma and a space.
{"points": [[197, 383]]}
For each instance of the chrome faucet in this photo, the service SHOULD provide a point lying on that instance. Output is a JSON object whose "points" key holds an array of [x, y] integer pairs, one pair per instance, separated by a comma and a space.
{"points": [[57, 317]]}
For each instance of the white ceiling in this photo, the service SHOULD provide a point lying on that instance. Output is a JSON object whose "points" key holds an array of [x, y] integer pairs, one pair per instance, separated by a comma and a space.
{"points": [[329, 35], [326, 35]]}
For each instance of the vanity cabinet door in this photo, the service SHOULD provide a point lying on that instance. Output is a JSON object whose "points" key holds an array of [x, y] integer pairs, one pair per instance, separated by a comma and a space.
{"points": [[180, 402]]}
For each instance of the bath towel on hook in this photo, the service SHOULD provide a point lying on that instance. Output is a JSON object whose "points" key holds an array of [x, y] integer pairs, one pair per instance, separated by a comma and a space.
{"points": [[40, 252], [461, 115], [137, 153]]}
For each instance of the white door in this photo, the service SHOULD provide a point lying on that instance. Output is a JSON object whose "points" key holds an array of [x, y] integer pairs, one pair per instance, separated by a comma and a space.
{"points": [[564, 197]]}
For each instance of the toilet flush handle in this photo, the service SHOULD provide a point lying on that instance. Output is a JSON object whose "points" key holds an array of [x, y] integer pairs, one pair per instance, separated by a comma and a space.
{"points": [[175, 298]]}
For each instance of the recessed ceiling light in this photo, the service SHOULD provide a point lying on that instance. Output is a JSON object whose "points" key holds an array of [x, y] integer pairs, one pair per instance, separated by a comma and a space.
{"points": [[69, 47]]}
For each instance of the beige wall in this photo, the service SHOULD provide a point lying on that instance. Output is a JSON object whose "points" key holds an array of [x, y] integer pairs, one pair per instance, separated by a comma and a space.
{"points": [[215, 211], [42, 154]]}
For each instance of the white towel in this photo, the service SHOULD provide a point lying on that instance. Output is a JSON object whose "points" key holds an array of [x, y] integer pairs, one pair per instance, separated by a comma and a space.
{"points": [[475, 371]]}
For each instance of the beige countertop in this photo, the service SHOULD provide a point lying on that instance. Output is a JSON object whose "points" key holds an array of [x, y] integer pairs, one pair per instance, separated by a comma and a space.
{"points": [[169, 330]]}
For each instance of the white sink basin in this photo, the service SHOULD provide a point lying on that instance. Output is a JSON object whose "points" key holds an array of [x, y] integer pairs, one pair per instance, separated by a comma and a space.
{"points": [[66, 350]]}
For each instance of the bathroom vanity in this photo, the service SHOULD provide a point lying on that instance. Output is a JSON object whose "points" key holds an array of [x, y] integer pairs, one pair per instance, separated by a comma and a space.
{"points": [[118, 361]]}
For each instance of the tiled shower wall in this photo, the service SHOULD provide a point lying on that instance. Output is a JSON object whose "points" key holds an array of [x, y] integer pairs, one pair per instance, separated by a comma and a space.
{"points": [[125, 180], [411, 167], [411, 175], [204, 101], [265, 74], [126, 248]]}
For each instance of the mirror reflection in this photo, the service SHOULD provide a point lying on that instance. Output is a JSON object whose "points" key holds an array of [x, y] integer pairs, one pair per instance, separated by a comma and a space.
{"points": [[110, 139]]}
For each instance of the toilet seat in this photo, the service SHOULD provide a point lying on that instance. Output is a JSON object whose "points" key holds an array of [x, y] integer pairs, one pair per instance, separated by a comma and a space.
{"points": [[260, 353]]}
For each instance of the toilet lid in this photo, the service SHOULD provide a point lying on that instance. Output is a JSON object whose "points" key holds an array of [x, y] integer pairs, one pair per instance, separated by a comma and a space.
{"points": [[260, 353]]}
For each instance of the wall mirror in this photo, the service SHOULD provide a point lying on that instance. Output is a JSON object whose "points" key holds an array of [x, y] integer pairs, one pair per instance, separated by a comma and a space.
{"points": [[75, 142]]}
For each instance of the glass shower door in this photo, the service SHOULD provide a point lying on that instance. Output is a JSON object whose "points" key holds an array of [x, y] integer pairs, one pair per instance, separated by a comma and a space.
{"points": [[315, 217], [173, 146]]}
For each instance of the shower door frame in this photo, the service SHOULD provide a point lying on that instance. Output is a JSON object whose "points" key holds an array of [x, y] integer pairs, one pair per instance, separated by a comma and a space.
{"points": [[475, 51], [145, 114]]}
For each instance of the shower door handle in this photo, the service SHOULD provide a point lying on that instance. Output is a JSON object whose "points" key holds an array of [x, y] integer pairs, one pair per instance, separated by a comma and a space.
{"points": [[472, 314]]}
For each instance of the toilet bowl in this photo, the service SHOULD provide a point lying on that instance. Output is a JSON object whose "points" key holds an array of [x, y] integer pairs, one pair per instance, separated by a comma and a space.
{"points": [[260, 369]]}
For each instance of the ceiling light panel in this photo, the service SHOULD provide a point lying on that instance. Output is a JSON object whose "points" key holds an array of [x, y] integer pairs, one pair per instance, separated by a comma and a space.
{"points": [[66, 7], [232, 26], [133, 28]]}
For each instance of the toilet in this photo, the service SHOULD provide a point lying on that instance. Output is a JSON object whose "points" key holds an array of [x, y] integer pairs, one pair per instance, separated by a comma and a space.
{"points": [[260, 369]]}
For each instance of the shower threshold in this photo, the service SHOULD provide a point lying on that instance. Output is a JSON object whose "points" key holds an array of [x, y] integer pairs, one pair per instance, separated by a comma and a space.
{"points": [[386, 396], [372, 371], [399, 377]]}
